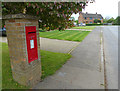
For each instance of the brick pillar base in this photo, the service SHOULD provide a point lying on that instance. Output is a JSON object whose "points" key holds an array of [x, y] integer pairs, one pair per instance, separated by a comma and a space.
{"points": [[25, 73]]}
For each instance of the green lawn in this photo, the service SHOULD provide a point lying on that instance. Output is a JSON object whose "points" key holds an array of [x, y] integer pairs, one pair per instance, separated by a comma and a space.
{"points": [[84, 27], [51, 62], [71, 35]]}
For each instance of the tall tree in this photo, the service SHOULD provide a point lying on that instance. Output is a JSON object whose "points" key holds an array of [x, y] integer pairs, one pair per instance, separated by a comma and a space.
{"points": [[111, 20], [117, 21]]}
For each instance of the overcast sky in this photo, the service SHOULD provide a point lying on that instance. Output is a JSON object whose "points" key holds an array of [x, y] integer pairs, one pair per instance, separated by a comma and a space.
{"points": [[107, 8]]}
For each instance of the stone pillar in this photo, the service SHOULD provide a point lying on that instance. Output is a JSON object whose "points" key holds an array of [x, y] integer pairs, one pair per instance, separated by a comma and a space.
{"points": [[23, 72]]}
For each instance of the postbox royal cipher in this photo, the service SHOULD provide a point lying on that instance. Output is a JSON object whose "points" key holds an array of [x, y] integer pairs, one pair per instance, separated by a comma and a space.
{"points": [[31, 40]]}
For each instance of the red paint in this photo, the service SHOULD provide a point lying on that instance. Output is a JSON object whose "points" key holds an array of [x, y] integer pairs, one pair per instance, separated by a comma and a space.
{"points": [[31, 36]]}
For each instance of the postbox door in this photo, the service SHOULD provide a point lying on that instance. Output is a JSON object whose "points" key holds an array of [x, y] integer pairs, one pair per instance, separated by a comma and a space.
{"points": [[31, 39]]}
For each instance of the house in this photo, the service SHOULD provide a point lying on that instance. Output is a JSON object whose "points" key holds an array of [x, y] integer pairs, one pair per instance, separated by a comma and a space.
{"points": [[88, 18]]}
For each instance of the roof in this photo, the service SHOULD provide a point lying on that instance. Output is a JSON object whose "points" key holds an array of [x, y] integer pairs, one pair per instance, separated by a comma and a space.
{"points": [[92, 15]]}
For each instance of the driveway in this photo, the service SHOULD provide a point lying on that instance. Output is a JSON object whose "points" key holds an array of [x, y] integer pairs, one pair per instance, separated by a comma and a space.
{"points": [[53, 45]]}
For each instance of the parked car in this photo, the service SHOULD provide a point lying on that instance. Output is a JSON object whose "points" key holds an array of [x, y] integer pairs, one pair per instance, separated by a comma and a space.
{"points": [[79, 24], [82, 24], [75, 24], [3, 31]]}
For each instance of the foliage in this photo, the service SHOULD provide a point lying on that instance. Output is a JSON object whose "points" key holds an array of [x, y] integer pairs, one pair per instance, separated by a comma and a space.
{"points": [[94, 24], [70, 35], [52, 14], [117, 21], [111, 20], [84, 27], [97, 21], [77, 22], [72, 18], [105, 20], [107, 17]]}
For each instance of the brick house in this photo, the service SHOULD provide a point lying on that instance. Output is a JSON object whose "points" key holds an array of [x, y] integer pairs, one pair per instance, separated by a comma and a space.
{"points": [[89, 18]]}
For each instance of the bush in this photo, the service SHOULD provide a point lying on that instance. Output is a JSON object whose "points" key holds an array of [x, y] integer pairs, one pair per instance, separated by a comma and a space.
{"points": [[116, 24], [97, 21], [94, 24], [42, 30]]}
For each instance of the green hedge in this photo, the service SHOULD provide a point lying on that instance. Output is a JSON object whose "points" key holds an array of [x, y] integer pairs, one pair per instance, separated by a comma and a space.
{"points": [[116, 24], [94, 24]]}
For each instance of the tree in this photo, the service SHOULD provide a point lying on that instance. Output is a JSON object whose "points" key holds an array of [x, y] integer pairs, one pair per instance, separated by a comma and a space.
{"points": [[72, 18], [52, 14], [105, 20], [117, 21], [77, 22], [111, 20], [107, 17]]}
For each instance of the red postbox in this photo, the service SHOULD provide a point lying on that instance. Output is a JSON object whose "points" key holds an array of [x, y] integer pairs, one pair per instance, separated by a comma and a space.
{"points": [[31, 40]]}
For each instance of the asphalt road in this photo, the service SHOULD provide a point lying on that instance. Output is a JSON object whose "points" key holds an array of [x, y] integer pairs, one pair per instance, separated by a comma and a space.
{"points": [[110, 43]]}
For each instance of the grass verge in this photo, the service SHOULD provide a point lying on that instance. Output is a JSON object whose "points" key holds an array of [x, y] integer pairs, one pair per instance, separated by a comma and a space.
{"points": [[70, 35], [84, 27], [51, 62]]}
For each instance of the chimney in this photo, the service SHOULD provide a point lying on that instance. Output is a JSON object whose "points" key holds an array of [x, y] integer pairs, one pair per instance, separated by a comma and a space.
{"points": [[86, 12], [96, 13]]}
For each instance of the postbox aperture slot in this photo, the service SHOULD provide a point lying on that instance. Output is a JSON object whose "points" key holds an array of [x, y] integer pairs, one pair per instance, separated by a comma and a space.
{"points": [[31, 32]]}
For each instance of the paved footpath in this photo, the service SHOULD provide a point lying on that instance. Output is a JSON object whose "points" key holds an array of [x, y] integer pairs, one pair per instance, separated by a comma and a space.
{"points": [[82, 71], [53, 45]]}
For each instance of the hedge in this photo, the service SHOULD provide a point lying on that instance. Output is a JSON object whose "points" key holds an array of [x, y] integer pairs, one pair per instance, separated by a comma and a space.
{"points": [[94, 24]]}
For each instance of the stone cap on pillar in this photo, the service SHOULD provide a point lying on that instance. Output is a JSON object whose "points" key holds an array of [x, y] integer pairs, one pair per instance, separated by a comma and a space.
{"points": [[20, 16]]}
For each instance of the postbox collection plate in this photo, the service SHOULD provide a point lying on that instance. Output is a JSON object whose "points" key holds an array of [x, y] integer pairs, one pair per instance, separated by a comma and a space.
{"points": [[31, 40]]}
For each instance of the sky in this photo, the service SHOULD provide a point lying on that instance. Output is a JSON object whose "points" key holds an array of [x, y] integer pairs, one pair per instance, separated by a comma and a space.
{"points": [[107, 8]]}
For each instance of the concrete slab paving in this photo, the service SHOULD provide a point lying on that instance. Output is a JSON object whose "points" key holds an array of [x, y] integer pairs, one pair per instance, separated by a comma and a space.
{"points": [[82, 71], [3, 39], [52, 45], [55, 45]]}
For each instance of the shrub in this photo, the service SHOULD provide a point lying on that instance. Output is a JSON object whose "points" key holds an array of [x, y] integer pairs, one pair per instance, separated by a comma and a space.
{"points": [[94, 24]]}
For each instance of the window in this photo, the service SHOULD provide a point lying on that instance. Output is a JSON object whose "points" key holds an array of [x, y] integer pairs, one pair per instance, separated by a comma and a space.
{"points": [[90, 22], [85, 18], [100, 18], [91, 18], [96, 18]]}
